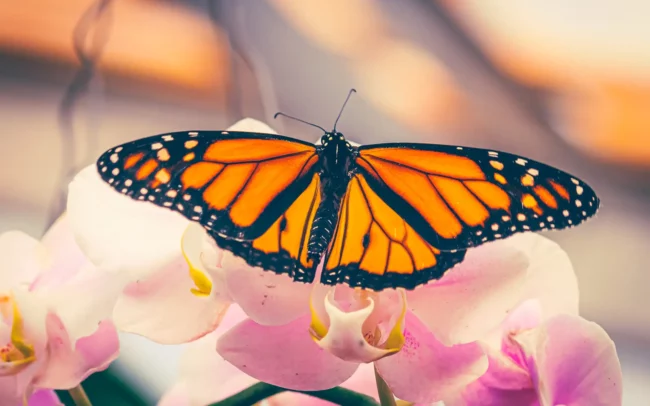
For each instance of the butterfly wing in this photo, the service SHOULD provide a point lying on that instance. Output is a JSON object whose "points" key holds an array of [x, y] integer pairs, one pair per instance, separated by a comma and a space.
{"points": [[375, 248], [459, 197], [242, 187], [283, 247]]}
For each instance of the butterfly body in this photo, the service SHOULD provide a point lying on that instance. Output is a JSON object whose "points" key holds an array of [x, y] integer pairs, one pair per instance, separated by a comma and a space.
{"points": [[336, 168], [376, 216]]}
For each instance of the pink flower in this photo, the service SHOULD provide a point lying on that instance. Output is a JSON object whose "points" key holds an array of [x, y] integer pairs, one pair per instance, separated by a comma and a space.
{"points": [[564, 360], [423, 342], [205, 377], [43, 397], [49, 336]]}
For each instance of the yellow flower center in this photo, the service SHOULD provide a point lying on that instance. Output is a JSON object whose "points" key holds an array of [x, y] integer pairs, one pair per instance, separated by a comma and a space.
{"points": [[190, 247], [17, 354]]}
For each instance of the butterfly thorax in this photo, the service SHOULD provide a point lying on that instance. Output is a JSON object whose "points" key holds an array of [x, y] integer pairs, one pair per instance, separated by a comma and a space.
{"points": [[336, 157]]}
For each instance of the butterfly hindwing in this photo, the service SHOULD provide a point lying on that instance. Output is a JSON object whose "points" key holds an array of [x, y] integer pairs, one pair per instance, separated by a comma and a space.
{"points": [[235, 184], [374, 247], [283, 247], [459, 197]]}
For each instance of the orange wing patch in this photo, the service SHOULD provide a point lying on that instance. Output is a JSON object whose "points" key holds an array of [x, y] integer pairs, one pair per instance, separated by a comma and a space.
{"points": [[432, 162], [375, 248], [290, 233], [237, 150], [283, 247], [446, 190]]}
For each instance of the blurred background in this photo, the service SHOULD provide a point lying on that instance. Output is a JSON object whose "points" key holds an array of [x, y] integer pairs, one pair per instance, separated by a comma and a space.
{"points": [[566, 82]]}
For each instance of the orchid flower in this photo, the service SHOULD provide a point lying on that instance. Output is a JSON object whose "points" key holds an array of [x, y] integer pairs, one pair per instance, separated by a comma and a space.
{"points": [[205, 377], [50, 338], [309, 336], [563, 360]]}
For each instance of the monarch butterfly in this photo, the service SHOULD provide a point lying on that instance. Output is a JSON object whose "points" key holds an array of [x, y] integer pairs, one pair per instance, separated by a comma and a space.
{"points": [[382, 216]]}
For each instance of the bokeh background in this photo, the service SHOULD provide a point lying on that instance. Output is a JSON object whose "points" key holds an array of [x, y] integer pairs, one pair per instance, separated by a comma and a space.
{"points": [[566, 82]]}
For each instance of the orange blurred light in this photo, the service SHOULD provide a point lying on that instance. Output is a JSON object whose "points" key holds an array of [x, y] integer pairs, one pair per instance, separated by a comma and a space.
{"points": [[612, 121], [147, 40], [409, 84], [346, 27]]}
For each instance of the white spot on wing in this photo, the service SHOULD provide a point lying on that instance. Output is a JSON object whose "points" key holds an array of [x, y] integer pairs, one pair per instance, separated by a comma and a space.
{"points": [[521, 161]]}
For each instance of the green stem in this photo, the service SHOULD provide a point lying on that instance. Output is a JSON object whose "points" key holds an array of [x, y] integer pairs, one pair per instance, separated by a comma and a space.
{"points": [[386, 397], [261, 391], [78, 395]]}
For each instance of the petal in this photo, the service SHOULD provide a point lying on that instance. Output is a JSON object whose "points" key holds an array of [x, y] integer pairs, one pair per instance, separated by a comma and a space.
{"points": [[478, 394], [178, 395], [252, 125], [283, 355], [425, 370], [573, 362], [475, 296], [266, 297], [65, 256], [551, 279], [11, 392], [69, 364], [163, 308], [44, 397], [205, 377], [21, 259], [85, 300], [118, 233], [354, 335]]}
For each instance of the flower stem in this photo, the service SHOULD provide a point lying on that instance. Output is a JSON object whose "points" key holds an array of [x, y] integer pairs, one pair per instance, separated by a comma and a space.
{"points": [[386, 397], [261, 391], [78, 395]]}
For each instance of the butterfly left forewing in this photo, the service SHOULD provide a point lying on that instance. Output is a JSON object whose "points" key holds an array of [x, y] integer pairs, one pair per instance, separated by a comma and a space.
{"points": [[459, 197], [235, 184]]}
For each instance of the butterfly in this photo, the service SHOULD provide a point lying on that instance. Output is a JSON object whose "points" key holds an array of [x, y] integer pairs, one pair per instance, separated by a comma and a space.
{"points": [[394, 215]]}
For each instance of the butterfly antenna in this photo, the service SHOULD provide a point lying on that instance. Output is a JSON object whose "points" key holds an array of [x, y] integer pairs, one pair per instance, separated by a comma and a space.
{"points": [[343, 107], [297, 119]]}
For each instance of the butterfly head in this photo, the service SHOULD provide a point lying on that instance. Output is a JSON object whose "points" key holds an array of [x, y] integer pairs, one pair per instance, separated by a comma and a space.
{"points": [[333, 137]]}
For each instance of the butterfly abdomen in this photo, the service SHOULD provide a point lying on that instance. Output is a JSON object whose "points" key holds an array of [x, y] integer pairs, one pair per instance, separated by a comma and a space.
{"points": [[323, 227]]}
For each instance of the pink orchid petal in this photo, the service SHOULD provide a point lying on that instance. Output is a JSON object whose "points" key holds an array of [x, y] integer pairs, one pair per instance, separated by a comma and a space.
{"points": [[425, 370], [11, 393], [21, 259], [475, 296], [43, 397], [205, 377], [551, 279], [573, 362], [67, 365], [118, 233], [506, 383], [66, 258], [363, 381], [525, 317], [178, 395], [283, 355], [85, 300], [266, 297], [163, 308], [478, 394]]}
